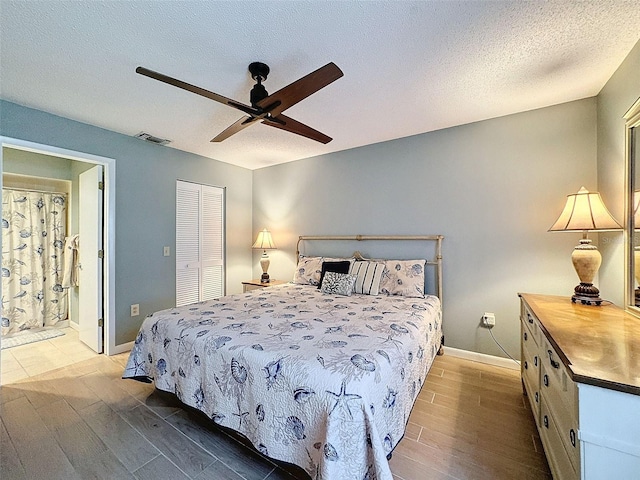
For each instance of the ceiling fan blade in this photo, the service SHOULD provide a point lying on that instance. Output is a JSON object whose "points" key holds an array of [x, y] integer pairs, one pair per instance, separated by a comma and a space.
{"points": [[300, 89], [290, 125], [197, 90], [241, 124]]}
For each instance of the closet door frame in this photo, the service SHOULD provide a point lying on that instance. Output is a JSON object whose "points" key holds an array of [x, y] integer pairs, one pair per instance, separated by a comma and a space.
{"points": [[194, 257]]}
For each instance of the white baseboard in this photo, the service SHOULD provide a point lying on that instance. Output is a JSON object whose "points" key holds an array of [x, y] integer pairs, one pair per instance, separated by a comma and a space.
{"points": [[124, 347], [482, 358], [62, 324], [74, 325]]}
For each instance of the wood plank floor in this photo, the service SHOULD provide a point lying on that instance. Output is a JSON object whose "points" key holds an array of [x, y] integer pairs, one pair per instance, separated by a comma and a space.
{"points": [[83, 421]]}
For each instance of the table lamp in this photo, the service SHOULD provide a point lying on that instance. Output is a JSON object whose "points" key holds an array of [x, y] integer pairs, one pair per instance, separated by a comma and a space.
{"points": [[264, 242], [585, 211]]}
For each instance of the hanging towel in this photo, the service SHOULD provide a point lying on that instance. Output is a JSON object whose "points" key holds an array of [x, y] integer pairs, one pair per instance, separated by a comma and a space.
{"points": [[70, 273]]}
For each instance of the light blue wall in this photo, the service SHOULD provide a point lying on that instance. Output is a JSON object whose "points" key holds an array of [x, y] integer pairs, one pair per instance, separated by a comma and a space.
{"points": [[493, 188], [146, 177], [617, 96]]}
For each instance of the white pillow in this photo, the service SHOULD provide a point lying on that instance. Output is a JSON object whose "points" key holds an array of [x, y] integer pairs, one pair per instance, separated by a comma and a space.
{"points": [[368, 276], [403, 277], [309, 269]]}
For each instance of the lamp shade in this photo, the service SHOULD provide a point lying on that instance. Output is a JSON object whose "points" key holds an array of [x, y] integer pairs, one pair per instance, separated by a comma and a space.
{"points": [[584, 211], [264, 241]]}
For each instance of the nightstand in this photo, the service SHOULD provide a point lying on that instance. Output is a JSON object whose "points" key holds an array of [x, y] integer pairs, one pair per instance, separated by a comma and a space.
{"points": [[255, 284]]}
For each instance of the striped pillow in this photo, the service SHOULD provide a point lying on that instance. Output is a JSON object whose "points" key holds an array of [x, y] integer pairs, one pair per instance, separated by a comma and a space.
{"points": [[368, 275]]}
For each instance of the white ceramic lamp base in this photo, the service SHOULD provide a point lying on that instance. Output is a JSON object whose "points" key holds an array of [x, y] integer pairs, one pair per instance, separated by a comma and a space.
{"points": [[586, 260], [264, 264]]}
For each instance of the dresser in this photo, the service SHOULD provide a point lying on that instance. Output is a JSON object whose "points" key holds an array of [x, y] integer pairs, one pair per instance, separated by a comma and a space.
{"points": [[580, 369]]}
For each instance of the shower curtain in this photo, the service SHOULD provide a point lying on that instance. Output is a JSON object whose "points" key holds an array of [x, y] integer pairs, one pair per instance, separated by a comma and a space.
{"points": [[33, 232]]}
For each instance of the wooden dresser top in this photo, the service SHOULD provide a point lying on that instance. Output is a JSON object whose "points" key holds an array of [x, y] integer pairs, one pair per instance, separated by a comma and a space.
{"points": [[599, 345]]}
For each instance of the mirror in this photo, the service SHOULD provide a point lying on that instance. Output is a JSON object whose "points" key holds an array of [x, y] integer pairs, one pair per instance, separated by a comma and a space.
{"points": [[632, 153]]}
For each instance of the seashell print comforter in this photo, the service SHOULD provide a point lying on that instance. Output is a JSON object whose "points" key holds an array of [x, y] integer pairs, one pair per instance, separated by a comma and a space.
{"points": [[325, 382]]}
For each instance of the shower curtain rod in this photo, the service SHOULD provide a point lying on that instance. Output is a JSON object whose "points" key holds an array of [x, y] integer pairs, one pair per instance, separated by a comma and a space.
{"points": [[32, 190]]}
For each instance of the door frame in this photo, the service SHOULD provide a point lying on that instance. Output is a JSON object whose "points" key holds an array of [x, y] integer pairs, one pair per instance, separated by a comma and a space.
{"points": [[109, 220]]}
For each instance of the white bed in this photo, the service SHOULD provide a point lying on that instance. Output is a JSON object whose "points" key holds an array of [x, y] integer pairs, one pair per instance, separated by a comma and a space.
{"points": [[326, 382]]}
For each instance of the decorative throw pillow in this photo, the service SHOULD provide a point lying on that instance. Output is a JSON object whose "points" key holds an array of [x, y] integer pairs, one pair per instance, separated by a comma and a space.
{"points": [[339, 259], [337, 267], [403, 277], [338, 283], [368, 276], [308, 271]]}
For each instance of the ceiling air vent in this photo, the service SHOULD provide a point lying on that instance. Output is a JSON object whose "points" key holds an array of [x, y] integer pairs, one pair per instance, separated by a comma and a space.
{"points": [[152, 139]]}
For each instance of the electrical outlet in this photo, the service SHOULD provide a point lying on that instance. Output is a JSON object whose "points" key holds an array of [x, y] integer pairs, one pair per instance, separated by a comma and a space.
{"points": [[488, 320], [135, 310], [166, 251]]}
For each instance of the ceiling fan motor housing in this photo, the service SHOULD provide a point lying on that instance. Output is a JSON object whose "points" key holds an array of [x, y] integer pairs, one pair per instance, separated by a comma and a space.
{"points": [[258, 92], [259, 72]]}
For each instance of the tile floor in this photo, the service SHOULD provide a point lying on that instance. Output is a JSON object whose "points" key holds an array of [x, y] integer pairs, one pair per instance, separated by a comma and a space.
{"points": [[33, 359], [470, 422]]}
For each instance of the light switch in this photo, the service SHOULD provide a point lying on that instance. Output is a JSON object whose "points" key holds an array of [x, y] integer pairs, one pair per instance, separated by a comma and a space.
{"points": [[167, 251]]}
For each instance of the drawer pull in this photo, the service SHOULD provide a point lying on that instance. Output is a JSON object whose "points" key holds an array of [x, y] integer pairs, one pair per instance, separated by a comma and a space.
{"points": [[535, 360], [572, 437], [545, 420], [536, 397], [525, 336], [529, 318], [545, 380], [554, 364], [526, 366]]}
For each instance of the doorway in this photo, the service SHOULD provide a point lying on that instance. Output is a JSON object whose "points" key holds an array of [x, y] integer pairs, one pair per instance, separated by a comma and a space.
{"points": [[105, 323]]}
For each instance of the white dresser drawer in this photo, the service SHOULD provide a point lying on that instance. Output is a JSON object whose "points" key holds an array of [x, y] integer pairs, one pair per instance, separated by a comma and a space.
{"points": [[531, 323], [528, 339], [565, 420], [559, 460], [530, 364], [533, 394], [563, 389], [530, 372]]}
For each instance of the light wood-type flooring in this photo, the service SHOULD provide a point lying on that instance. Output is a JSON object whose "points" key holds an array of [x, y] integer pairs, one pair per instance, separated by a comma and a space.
{"points": [[83, 421]]}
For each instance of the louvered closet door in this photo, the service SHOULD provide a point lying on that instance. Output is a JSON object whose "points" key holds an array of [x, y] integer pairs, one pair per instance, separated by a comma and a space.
{"points": [[199, 242], [212, 244]]}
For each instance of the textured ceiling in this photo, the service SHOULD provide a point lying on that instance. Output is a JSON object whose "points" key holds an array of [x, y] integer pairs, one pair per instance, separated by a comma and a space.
{"points": [[409, 67]]}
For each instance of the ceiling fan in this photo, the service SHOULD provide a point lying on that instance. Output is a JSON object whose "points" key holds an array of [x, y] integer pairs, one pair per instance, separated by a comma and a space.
{"points": [[264, 107]]}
